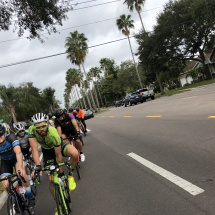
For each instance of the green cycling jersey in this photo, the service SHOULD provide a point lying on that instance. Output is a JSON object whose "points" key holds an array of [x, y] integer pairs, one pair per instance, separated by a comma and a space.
{"points": [[51, 140]]}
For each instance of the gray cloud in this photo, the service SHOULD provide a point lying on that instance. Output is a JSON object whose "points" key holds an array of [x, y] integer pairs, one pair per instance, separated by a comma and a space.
{"points": [[51, 71]]}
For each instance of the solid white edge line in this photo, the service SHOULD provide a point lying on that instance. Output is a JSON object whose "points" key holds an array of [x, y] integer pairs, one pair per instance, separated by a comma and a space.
{"points": [[189, 187]]}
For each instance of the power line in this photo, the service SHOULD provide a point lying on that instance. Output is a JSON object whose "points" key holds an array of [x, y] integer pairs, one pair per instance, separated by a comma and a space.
{"points": [[49, 56], [83, 24]]}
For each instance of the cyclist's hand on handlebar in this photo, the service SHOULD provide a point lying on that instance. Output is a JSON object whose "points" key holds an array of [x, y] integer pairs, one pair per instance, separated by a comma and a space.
{"points": [[20, 171], [38, 169]]}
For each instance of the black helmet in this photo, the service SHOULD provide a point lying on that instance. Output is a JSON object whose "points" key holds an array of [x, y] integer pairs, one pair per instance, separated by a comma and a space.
{"points": [[77, 109], [50, 115], [65, 110], [58, 113], [70, 110], [2, 129]]}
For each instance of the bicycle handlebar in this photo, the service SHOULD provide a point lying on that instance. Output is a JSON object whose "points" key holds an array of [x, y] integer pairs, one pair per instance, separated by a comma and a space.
{"points": [[12, 176], [69, 138]]}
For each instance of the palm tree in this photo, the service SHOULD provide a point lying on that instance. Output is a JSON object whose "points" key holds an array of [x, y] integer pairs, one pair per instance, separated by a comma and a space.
{"points": [[90, 76], [137, 5], [82, 93], [96, 74], [125, 23], [76, 49]]}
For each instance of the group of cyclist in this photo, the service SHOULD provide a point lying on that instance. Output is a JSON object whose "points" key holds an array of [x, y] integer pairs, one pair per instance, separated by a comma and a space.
{"points": [[50, 132]]}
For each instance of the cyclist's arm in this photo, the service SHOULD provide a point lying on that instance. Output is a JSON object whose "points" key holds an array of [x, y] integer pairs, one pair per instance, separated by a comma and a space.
{"points": [[17, 150], [59, 157], [74, 121], [34, 147], [59, 130]]}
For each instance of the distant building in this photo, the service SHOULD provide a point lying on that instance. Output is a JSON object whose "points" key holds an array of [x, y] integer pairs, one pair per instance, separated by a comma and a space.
{"points": [[192, 65]]}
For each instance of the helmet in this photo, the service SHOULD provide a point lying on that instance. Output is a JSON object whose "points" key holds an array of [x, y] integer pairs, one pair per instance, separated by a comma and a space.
{"points": [[19, 127], [50, 115], [58, 113], [70, 110], [65, 110], [77, 108], [2, 129], [39, 117]]}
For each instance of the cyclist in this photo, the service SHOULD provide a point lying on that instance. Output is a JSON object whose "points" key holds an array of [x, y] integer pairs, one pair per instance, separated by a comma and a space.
{"points": [[51, 123], [22, 136], [67, 125], [80, 114], [65, 110], [53, 149], [11, 156]]}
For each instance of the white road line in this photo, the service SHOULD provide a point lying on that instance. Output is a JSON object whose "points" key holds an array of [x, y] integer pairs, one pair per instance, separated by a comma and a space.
{"points": [[41, 156], [88, 129], [190, 188]]}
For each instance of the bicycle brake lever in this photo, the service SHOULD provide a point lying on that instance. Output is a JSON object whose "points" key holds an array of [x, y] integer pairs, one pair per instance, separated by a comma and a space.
{"points": [[23, 179]]}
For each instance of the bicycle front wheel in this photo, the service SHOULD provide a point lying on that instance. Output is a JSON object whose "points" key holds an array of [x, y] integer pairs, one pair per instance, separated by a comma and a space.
{"points": [[32, 181], [78, 170], [67, 197], [59, 202], [13, 205]]}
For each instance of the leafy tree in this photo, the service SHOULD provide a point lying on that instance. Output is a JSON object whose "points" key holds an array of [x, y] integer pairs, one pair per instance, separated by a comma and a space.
{"points": [[188, 30], [137, 5], [33, 16], [125, 23]]}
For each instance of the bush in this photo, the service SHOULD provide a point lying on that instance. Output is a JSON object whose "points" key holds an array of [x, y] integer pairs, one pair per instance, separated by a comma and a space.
{"points": [[187, 84]]}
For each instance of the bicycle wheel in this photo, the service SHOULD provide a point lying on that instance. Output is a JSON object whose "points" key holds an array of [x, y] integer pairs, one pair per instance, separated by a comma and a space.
{"points": [[32, 182], [11, 202], [78, 171], [67, 197], [59, 202], [83, 129]]}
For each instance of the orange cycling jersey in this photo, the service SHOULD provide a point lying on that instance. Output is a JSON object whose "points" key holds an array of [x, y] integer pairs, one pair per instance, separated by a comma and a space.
{"points": [[80, 113]]}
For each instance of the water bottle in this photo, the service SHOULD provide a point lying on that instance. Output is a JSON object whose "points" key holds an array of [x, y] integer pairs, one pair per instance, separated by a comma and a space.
{"points": [[30, 179], [61, 183], [19, 190]]}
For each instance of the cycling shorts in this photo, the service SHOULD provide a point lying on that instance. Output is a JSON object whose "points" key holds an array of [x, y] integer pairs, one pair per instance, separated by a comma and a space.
{"points": [[6, 167], [25, 151], [72, 132], [49, 156]]}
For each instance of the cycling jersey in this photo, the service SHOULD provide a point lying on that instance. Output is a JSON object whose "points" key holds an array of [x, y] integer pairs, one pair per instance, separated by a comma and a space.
{"points": [[6, 150], [24, 143], [66, 124], [51, 140], [80, 113]]}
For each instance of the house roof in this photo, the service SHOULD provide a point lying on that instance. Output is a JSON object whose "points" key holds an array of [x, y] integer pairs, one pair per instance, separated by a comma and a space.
{"points": [[192, 63]]}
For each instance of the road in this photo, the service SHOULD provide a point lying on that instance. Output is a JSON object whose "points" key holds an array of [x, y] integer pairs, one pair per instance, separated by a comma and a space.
{"points": [[173, 140]]}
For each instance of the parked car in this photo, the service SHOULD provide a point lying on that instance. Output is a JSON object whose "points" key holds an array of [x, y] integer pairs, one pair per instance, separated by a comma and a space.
{"points": [[88, 114], [133, 98], [146, 93], [119, 103]]}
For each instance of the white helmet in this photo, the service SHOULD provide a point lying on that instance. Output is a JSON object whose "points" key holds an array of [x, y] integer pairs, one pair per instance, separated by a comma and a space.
{"points": [[19, 127], [39, 117]]}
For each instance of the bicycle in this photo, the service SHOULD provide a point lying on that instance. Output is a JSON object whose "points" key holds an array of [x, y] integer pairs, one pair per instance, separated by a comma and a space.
{"points": [[81, 126], [73, 143], [17, 196], [62, 192], [29, 168]]}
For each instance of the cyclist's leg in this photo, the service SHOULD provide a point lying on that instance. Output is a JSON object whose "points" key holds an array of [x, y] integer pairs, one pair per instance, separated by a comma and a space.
{"points": [[49, 158], [85, 126]]}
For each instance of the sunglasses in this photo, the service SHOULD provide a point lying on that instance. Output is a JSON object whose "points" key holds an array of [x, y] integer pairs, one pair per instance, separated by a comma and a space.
{"points": [[1, 134], [41, 127], [21, 131]]}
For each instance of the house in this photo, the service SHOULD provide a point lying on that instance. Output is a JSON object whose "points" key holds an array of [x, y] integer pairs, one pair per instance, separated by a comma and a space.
{"points": [[192, 65]]}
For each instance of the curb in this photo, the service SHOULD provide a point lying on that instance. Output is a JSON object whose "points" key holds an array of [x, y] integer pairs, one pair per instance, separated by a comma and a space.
{"points": [[3, 196]]}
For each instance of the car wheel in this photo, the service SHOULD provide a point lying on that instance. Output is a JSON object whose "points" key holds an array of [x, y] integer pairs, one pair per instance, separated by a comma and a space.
{"points": [[135, 103], [152, 97], [142, 101], [125, 105]]}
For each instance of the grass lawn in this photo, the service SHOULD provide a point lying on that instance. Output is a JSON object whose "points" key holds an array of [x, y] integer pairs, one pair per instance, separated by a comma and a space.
{"points": [[183, 89]]}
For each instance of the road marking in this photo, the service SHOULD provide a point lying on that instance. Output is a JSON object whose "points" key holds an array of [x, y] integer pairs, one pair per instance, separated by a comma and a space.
{"points": [[211, 117], [189, 187], [189, 97], [103, 116], [111, 116], [127, 116], [158, 102], [41, 156], [153, 116], [88, 130]]}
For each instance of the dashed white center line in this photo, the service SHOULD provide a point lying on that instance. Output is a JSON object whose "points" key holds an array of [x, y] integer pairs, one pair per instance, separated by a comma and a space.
{"points": [[189, 187]]}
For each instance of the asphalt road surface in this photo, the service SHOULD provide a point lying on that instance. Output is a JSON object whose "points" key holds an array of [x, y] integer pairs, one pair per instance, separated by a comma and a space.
{"points": [[155, 158]]}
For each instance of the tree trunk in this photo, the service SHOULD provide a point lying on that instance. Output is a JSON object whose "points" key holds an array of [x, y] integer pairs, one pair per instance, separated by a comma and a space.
{"points": [[78, 97], [141, 21], [135, 64], [207, 72], [104, 95], [160, 85], [94, 104], [84, 100], [12, 111], [99, 94], [96, 97], [86, 91]]}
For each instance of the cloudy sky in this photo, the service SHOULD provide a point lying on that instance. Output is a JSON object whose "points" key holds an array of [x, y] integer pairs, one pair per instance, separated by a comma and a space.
{"points": [[51, 71]]}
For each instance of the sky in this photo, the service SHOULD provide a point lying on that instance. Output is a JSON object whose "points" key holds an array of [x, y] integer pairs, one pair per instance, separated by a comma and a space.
{"points": [[51, 72]]}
